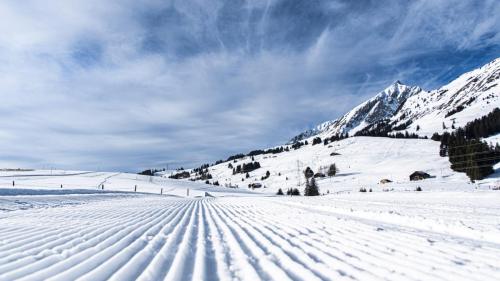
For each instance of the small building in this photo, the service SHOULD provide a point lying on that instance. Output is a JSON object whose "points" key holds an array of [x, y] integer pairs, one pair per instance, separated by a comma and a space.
{"points": [[419, 175], [255, 185], [384, 181]]}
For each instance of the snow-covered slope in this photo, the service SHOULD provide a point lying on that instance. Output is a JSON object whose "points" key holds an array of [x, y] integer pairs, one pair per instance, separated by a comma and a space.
{"points": [[362, 162], [470, 96]]}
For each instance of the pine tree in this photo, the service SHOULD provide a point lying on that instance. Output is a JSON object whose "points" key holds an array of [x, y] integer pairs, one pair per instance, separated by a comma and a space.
{"points": [[332, 171], [308, 173], [311, 188]]}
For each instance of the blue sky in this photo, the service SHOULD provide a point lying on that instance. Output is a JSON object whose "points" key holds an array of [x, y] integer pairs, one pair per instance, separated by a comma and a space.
{"points": [[125, 85]]}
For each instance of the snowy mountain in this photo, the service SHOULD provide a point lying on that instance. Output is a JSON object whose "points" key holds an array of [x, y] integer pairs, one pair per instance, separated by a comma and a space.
{"points": [[403, 107]]}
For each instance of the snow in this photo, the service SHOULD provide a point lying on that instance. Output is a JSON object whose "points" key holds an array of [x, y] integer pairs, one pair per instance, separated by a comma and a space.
{"points": [[429, 235], [84, 225], [83, 182], [362, 162]]}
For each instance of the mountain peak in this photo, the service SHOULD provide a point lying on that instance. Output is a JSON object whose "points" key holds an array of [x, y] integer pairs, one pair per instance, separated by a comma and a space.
{"points": [[401, 105]]}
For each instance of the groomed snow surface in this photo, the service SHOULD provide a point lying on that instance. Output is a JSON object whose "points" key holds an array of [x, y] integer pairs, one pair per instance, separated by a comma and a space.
{"points": [[113, 234]]}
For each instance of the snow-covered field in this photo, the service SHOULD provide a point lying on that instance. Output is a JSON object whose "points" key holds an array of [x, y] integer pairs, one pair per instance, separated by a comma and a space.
{"points": [[49, 233], [36, 182], [370, 236]]}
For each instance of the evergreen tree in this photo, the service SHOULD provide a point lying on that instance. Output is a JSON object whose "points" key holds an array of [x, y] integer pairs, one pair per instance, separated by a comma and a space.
{"points": [[308, 173], [311, 188], [332, 171]]}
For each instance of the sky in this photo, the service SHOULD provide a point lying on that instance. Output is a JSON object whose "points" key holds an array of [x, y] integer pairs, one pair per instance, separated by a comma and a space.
{"points": [[128, 85]]}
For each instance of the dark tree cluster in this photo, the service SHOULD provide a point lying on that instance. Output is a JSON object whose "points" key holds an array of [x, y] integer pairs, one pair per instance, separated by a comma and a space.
{"points": [[308, 173], [455, 110], [252, 153], [201, 168], [150, 172], [466, 152], [293, 192], [265, 177], [471, 156], [246, 168], [332, 170], [335, 138], [202, 173], [402, 126], [180, 175], [316, 140], [298, 144], [486, 126], [275, 150], [312, 188], [235, 157], [384, 129]]}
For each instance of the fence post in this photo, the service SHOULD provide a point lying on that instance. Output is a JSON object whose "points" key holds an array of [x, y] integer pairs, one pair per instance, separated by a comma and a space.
{"points": [[135, 188], [161, 191]]}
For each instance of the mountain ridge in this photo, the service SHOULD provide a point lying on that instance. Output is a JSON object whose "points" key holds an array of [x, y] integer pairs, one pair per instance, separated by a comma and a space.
{"points": [[402, 105]]}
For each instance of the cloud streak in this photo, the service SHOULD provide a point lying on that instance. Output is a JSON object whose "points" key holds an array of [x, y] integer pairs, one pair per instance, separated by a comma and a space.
{"points": [[124, 86]]}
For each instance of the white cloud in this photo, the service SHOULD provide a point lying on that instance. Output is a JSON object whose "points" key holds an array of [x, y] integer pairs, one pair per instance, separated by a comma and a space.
{"points": [[80, 88]]}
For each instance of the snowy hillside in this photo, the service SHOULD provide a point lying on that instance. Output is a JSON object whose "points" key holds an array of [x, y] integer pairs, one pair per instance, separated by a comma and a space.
{"points": [[470, 96], [362, 162]]}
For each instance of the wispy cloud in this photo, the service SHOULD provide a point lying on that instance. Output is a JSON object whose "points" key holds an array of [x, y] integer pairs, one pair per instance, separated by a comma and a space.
{"points": [[127, 85]]}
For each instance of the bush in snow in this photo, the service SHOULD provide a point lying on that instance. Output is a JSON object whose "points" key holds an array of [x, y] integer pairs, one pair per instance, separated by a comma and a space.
{"points": [[280, 192], [418, 188], [362, 189]]}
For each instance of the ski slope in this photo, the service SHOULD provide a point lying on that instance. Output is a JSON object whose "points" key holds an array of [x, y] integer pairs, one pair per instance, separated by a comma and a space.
{"points": [[372, 236]]}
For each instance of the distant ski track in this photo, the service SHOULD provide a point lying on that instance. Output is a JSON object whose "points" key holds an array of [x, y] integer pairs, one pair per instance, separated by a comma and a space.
{"points": [[236, 238]]}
